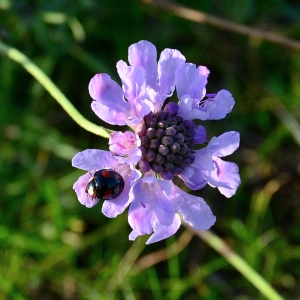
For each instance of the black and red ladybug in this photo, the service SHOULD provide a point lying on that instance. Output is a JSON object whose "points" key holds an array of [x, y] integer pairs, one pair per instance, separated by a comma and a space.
{"points": [[105, 184]]}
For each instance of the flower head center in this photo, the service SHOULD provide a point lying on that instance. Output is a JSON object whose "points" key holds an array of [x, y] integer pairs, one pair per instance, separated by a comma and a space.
{"points": [[167, 142]]}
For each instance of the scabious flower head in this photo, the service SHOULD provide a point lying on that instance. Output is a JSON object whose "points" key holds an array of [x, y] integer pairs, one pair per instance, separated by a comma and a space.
{"points": [[164, 142]]}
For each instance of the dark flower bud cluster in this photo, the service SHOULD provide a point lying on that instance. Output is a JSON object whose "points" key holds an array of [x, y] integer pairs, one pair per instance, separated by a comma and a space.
{"points": [[167, 142]]}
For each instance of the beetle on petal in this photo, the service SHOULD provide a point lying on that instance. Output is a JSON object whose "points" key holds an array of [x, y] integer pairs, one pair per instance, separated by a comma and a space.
{"points": [[105, 184]]}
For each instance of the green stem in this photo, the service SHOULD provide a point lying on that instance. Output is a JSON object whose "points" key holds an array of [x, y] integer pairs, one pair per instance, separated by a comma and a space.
{"points": [[238, 263], [53, 90]]}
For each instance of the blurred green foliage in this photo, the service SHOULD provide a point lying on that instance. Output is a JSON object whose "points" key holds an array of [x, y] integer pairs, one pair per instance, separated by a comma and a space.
{"points": [[51, 247]]}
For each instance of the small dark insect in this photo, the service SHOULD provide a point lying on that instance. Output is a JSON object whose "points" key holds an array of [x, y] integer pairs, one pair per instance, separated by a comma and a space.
{"points": [[105, 184]]}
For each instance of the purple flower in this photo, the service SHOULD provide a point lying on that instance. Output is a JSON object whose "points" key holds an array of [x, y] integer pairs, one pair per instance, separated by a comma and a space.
{"points": [[164, 142]]}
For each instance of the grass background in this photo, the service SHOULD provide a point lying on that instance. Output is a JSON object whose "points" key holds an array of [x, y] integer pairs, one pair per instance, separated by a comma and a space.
{"points": [[51, 247]]}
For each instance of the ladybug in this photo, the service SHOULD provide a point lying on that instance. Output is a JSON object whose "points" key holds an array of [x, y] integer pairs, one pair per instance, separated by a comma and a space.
{"points": [[105, 184]]}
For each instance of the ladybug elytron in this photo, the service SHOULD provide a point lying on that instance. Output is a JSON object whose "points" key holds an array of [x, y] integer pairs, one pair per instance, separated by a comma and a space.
{"points": [[105, 184]]}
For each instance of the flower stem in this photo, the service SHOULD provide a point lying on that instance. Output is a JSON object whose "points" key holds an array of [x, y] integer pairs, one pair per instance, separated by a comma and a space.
{"points": [[238, 263], [53, 90]]}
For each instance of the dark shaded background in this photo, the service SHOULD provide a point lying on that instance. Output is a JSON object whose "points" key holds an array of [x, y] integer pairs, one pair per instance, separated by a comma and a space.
{"points": [[51, 247]]}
